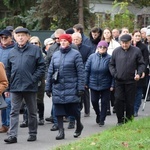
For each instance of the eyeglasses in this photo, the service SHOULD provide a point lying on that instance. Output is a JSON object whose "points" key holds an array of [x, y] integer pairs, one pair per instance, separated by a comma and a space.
{"points": [[4, 37], [34, 43], [102, 47]]}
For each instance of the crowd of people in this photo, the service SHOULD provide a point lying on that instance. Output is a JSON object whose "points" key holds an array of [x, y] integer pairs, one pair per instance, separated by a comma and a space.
{"points": [[109, 69]]}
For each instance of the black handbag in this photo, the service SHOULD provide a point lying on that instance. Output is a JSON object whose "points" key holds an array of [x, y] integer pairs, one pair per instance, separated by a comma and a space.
{"points": [[3, 104]]}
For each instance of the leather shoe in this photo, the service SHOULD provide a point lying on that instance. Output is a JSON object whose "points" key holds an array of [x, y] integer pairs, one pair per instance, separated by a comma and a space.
{"points": [[78, 131], [31, 138], [61, 135], [54, 127], [41, 122], [24, 124], [71, 125], [11, 140], [50, 119], [4, 129]]}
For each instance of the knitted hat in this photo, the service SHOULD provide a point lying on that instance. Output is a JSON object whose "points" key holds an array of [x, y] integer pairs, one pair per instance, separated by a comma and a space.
{"points": [[66, 37], [102, 43]]}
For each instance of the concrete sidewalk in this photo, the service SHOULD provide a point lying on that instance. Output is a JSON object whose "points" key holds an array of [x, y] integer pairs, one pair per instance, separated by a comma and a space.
{"points": [[46, 138]]}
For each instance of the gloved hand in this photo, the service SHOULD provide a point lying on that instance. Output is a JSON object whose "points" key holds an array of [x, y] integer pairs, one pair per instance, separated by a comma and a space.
{"points": [[80, 92], [48, 93]]}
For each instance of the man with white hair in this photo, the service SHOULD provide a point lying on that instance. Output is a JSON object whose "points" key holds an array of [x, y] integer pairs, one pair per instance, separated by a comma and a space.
{"points": [[143, 35], [85, 52]]}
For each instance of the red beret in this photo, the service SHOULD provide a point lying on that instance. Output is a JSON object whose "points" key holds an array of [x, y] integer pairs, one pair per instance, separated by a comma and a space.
{"points": [[66, 37]]}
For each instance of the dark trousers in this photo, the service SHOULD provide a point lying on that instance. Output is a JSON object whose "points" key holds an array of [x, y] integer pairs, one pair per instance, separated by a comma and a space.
{"points": [[105, 96], [124, 98]]}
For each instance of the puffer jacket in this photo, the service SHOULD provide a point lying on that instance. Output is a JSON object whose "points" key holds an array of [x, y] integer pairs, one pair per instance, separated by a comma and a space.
{"points": [[25, 67], [70, 79], [97, 72]]}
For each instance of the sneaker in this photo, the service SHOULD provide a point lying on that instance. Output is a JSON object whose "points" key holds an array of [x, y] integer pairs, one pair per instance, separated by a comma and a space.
{"points": [[41, 122], [11, 140], [31, 138], [50, 119], [71, 125], [54, 127], [24, 124]]}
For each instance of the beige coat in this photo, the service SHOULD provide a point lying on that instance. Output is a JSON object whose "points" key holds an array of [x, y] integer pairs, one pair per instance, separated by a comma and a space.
{"points": [[3, 79]]}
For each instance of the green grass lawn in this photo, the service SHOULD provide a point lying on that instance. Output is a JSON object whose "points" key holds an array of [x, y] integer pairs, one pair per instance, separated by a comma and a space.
{"points": [[134, 135]]}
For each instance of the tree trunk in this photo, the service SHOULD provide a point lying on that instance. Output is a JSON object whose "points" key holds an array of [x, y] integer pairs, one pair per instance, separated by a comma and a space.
{"points": [[81, 20]]}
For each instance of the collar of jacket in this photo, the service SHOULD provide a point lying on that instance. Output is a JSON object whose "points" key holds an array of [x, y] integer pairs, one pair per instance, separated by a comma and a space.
{"points": [[101, 55], [9, 46], [65, 50], [22, 48]]}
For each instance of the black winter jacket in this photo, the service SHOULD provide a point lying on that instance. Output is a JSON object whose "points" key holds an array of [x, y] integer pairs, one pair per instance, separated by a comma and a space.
{"points": [[125, 64]]}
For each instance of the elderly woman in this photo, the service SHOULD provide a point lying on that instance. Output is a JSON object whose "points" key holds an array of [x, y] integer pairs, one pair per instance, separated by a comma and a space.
{"points": [[3, 79], [65, 80], [99, 80]]}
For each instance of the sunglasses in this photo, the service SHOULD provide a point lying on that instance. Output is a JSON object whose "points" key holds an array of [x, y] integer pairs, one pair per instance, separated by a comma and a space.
{"points": [[4, 37], [102, 47], [56, 38], [34, 43]]}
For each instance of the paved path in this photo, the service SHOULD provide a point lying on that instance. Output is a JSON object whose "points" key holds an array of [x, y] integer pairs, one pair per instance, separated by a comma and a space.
{"points": [[46, 138]]}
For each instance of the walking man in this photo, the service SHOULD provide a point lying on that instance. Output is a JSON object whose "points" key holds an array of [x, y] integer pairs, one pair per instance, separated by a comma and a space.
{"points": [[126, 66], [25, 67]]}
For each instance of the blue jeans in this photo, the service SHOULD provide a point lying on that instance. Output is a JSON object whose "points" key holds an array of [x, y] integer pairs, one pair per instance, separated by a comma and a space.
{"points": [[5, 113], [138, 99]]}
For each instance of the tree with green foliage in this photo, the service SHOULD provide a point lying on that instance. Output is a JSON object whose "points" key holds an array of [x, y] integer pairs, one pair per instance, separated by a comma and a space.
{"points": [[124, 18], [139, 3], [47, 14]]}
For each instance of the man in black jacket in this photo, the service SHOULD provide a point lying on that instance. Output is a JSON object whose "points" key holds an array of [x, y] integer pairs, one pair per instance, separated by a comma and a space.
{"points": [[126, 66]]}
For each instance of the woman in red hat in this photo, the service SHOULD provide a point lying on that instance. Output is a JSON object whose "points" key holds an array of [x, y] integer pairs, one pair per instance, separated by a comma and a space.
{"points": [[65, 81]]}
